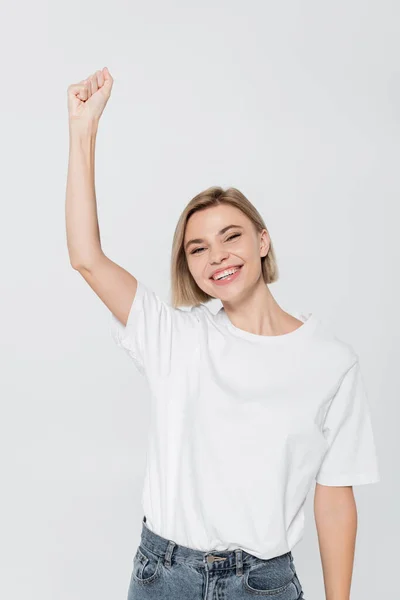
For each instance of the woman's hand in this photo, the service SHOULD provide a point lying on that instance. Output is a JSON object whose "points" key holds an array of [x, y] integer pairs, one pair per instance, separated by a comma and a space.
{"points": [[88, 98]]}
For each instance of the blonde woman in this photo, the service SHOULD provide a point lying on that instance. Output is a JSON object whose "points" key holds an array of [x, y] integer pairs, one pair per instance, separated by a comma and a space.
{"points": [[250, 405]]}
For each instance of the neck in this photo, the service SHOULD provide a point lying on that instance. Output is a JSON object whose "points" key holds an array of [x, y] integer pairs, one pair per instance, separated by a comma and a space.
{"points": [[258, 312]]}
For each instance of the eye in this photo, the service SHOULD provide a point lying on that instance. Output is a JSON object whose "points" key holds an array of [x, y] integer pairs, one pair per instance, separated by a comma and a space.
{"points": [[233, 236]]}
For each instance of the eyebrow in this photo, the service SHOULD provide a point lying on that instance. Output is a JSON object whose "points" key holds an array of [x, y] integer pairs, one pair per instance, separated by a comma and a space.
{"points": [[200, 241]]}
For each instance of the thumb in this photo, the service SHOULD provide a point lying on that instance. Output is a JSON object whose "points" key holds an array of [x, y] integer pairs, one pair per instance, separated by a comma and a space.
{"points": [[108, 80]]}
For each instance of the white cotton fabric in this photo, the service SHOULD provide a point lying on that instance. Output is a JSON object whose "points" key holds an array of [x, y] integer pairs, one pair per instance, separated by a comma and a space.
{"points": [[242, 424]]}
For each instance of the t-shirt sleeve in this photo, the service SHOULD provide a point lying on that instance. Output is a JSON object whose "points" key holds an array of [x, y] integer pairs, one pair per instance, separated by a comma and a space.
{"points": [[351, 457], [154, 331]]}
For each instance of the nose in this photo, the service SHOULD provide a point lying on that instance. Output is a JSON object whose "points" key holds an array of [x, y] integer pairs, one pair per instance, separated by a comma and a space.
{"points": [[218, 255]]}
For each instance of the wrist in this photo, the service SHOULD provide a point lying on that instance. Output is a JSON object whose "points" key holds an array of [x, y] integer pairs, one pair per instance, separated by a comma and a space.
{"points": [[86, 128]]}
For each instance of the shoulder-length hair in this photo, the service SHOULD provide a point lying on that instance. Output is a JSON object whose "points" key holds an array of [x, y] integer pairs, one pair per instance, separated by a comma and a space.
{"points": [[184, 289]]}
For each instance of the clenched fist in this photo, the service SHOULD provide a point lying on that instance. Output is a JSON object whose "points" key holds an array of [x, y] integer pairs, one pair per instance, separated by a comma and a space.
{"points": [[88, 98]]}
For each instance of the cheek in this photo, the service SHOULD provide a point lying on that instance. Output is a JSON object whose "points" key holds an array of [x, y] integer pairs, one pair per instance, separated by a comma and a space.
{"points": [[196, 269], [252, 253]]}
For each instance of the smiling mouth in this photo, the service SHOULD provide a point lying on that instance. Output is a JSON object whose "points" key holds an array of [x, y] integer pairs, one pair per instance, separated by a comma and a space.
{"points": [[231, 274]]}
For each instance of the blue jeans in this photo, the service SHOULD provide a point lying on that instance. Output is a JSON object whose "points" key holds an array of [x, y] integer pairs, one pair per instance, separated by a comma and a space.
{"points": [[165, 570]]}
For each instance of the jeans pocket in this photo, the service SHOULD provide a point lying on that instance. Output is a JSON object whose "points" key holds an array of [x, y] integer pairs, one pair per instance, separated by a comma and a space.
{"points": [[272, 579], [146, 566], [296, 580]]}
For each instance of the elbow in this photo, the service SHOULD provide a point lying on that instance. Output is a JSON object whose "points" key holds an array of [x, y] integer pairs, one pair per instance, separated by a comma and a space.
{"points": [[85, 264], [78, 266]]}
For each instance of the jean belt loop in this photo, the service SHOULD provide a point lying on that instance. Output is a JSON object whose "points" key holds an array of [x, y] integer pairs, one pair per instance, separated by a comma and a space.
{"points": [[239, 561], [168, 553]]}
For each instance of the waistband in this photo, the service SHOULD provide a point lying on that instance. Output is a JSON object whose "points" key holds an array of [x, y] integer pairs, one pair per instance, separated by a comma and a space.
{"points": [[170, 551]]}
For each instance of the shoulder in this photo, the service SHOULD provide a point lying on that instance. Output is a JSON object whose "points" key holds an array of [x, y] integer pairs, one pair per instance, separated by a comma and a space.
{"points": [[332, 347], [206, 314], [150, 312], [202, 313]]}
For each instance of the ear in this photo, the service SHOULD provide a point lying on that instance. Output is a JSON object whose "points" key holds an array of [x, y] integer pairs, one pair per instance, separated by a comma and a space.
{"points": [[264, 243]]}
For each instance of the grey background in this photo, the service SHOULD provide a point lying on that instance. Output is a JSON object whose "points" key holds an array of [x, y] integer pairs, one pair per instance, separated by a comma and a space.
{"points": [[296, 104]]}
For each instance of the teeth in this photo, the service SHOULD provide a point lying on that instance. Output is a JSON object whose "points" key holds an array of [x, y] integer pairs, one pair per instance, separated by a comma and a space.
{"points": [[226, 273]]}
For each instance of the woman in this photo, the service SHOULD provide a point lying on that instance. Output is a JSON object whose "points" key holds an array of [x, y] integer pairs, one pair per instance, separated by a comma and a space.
{"points": [[249, 405]]}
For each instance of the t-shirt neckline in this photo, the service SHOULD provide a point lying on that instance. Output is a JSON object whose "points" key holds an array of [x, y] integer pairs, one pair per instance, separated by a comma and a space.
{"points": [[308, 318]]}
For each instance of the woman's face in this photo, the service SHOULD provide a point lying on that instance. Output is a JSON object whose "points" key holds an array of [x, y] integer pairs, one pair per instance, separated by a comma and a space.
{"points": [[222, 237]]}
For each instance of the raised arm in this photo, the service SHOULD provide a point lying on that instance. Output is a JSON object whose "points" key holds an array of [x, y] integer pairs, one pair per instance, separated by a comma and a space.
{"points": [[113, 284]]}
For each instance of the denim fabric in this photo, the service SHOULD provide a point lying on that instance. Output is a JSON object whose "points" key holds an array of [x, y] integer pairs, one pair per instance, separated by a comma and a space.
{"points": [[165, 570]]}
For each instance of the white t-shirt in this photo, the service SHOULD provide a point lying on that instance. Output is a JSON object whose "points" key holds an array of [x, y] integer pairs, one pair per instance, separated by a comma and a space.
{"points": [[242, 424]]}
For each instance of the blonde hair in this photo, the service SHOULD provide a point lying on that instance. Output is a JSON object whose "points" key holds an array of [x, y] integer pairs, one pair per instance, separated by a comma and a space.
{"points": [[184, 289]]}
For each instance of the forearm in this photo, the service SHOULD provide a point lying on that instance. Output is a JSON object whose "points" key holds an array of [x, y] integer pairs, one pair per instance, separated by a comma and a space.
{"points": [[82, 228], [336, 521]]}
